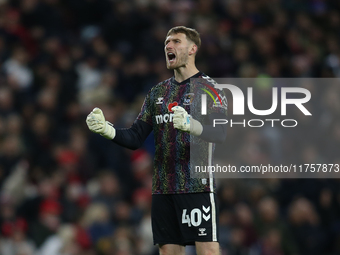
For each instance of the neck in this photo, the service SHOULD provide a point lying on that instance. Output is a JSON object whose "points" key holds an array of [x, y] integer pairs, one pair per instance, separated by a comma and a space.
{"points": [[185, 72]]}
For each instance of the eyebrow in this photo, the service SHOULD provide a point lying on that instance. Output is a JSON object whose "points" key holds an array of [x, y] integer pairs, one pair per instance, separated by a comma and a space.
{"points": [[174, 39]]}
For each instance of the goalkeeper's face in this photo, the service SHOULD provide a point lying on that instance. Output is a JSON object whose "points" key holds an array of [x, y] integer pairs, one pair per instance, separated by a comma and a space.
{"points": [[177, 51]]}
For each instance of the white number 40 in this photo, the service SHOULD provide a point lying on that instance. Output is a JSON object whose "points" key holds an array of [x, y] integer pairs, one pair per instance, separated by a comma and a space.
{"points": [[195, 217]]}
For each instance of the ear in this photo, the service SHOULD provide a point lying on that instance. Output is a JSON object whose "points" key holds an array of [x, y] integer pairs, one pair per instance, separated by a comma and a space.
{"points": [[193, 49]]}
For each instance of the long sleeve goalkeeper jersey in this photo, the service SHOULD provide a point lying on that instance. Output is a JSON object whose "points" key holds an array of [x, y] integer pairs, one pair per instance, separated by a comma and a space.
{"points": [[175, 149]]}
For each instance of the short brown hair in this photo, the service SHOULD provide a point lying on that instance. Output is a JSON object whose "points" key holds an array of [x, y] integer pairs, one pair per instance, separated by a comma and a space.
{"points": [[191, 34]]}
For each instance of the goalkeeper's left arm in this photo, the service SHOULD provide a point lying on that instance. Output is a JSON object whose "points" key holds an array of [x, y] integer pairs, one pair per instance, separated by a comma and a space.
{"points": [[183, 121]]}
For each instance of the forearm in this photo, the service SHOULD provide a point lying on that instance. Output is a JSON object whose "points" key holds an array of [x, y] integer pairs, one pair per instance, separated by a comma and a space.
{"points": [[215, 134], [133, 137]]}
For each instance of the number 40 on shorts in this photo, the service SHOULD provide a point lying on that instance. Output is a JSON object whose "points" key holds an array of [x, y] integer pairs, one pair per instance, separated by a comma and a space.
{"points": [[194, 218]]}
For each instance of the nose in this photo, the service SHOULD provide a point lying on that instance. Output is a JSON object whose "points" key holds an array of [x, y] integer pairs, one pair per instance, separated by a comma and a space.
{"points": [[168, 46]]}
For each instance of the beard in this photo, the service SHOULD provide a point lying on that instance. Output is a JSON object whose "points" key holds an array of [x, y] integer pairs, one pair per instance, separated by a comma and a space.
{"points": [[181, 61]]}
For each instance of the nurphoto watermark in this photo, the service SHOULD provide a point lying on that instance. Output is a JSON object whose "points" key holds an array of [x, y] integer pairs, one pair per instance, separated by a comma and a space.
{"points": [[276, 127]]}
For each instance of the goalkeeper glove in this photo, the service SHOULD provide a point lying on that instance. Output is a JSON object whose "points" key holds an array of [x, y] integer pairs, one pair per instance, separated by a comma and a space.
{"points": [[183, 121], [97, 124]]}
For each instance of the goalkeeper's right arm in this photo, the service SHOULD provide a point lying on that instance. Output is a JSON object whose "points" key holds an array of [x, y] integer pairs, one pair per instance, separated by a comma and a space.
{"points": [[97, 124], [131, 138]]}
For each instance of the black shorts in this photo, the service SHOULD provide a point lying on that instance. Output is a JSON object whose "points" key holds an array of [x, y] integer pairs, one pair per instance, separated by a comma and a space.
{"points": [[184, 218]]}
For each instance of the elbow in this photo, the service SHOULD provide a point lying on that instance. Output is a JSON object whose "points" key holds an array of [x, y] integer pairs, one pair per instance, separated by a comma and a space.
{"points": [[220, 140], [214, 135], [222, 137], [135, 146], [214, 139], [129, 144]]}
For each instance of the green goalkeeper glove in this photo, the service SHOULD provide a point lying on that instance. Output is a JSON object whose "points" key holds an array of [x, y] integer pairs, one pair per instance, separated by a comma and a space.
{"points": [[183, 121], [97, 124]]}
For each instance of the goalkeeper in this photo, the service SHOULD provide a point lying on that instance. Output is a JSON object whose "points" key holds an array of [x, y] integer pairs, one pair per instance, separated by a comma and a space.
{"points": [[184, 210]]}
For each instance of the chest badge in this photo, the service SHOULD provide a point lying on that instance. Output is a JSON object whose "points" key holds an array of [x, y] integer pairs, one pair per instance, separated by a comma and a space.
{"points": [[188, 98]]}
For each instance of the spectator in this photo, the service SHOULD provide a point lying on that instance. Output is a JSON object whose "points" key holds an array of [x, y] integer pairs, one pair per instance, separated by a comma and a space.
{"points": [[269, 220]]}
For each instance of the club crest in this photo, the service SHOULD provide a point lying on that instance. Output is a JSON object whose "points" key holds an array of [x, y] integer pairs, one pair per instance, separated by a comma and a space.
{"points": [[188, 98]]}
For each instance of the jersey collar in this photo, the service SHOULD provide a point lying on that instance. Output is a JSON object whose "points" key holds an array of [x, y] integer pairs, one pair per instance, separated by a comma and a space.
{"points": [[187, 80]]}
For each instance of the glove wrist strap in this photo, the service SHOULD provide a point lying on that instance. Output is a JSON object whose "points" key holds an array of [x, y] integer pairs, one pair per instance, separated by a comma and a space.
{"points": [[196, 127], [109, 131]]}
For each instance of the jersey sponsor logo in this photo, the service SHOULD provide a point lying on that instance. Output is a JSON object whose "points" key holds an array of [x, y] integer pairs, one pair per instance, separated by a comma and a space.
{"points": [[160, 100], [165, 118], [188, 98], [172, 105]]}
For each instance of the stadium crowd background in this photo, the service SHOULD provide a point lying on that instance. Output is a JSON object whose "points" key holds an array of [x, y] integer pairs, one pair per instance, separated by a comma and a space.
{"points": [[65, 190]]}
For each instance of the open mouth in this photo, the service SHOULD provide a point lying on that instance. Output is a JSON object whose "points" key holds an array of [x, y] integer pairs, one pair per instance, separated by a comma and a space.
{"points": [[171, 57]]}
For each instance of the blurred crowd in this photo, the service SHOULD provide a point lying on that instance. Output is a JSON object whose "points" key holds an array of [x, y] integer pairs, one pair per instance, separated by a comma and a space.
{"points": [[67, 191]]}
